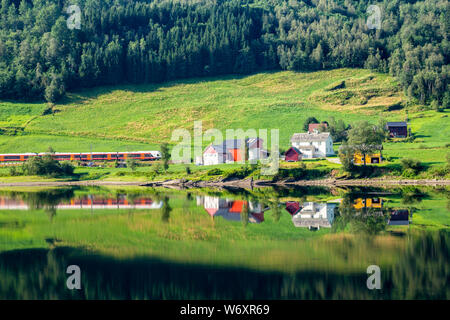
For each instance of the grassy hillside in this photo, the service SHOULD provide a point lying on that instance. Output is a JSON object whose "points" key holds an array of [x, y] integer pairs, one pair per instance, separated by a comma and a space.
{"points": [[141, 117]]}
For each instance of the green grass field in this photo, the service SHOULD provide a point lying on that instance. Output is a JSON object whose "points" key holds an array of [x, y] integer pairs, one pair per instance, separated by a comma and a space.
{"points": [[132, 118]]}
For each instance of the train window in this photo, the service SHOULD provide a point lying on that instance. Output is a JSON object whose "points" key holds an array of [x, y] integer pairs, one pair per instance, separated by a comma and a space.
{"points": [[62, 157], [12, 157], [136, 155], [100, 156]]}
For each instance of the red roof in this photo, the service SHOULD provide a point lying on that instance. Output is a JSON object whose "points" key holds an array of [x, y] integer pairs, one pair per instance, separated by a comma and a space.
{"points": [[313, 126], [292, 207]]}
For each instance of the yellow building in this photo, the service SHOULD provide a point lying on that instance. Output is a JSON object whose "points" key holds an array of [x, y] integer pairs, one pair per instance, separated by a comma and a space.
{"points": [[358, 159], [368, 203]]}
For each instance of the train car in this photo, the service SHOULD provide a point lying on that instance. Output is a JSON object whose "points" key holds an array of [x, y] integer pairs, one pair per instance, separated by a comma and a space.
{"points": [[16, 157], [92, 156]]}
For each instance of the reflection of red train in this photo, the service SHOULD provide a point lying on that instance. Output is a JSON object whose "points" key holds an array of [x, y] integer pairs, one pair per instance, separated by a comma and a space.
{"points": [[92, 156], [88, 202]]}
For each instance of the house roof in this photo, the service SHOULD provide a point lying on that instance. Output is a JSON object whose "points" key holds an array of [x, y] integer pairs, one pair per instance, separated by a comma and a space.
{"points": [[294, 149], [313, 126], [311, 222], [293, 207], [310, 137], [397, 124], [219, 148], [233, 144]]}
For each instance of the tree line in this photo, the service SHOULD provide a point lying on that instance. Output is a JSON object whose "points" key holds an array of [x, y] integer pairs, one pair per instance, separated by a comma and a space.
{"points": [[152, 41]]}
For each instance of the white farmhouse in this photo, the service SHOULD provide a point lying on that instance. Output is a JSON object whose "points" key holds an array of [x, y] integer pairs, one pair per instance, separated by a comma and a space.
{"points": [[313, 145], [230, 151]]}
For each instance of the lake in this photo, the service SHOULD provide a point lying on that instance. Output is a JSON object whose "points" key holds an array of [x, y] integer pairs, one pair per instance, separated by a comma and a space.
{"points": [[265, 243]]}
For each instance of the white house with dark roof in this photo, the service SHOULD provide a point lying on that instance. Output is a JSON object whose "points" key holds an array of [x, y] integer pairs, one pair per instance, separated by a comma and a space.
{"points": [[314, 215], [313, 145]]}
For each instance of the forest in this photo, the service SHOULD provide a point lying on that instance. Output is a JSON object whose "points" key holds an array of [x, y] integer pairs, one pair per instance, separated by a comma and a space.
{"points": [[152, 41]]}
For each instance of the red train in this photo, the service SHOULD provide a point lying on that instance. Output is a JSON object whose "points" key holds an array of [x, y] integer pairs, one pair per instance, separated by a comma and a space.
{"points": [[92, 156]]}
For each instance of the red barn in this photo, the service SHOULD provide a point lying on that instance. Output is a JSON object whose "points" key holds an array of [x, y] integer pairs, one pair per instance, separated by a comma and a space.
{"points": [[293, 154]]}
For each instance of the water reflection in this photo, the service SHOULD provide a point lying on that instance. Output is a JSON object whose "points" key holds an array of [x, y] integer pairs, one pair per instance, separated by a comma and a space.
{"points": [[91, 202], [312, 215], [233, 210], [421, 272], [275, 257]]}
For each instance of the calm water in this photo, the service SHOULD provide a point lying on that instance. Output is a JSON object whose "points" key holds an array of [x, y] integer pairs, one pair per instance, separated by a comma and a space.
{"points": [[305, 243]]}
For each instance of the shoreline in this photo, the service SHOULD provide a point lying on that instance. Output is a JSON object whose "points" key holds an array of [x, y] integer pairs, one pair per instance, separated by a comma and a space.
{"points": [[246, 183]]}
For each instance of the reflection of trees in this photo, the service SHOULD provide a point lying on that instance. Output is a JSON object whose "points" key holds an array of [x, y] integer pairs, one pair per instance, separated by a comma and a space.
{"points": [[275, 209], [366, 220], [166, 209], [423, 270], [47, 200], [245, 213], [412, 195]]}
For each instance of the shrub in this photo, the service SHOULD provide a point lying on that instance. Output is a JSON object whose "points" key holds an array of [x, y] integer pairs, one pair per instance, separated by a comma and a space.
{"points": [[214, 172], [67, 168], [14, 172], [157, 169], [408, 173], [46, 166], [411, 165]]}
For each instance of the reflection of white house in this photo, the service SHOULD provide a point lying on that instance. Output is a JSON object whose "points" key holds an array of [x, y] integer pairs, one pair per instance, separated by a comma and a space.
{"points": [[315, 215], [231, 209], [313, 145]]}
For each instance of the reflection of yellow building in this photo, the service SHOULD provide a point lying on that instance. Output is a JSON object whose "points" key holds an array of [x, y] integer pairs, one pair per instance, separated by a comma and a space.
{"points": [[370, 158], [368, 203]]}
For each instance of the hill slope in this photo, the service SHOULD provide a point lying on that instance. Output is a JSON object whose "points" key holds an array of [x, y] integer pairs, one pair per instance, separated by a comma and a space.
{"points": [[141, 117]]}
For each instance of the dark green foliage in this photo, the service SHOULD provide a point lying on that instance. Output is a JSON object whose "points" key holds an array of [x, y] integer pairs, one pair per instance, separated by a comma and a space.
{"points": [[141, 41], [214, 172], [165, 155], [309, 121], [338, 130], [346, 155], [131, 163], [411, 167], [46, 166], [292, 173], [366, 138]]}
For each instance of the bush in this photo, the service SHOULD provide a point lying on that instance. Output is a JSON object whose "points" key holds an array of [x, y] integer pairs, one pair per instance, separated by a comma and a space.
{"points": [[411, 166], [214, 172], [67, 168], [46, 166], [157, 169], [14, 172], [408, 173]]}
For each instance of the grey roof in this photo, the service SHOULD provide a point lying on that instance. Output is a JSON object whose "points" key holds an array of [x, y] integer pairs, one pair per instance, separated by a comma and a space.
{"points": [[310, 137], [397, 124], [234, 144], [219, 148], [311, 222]]}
